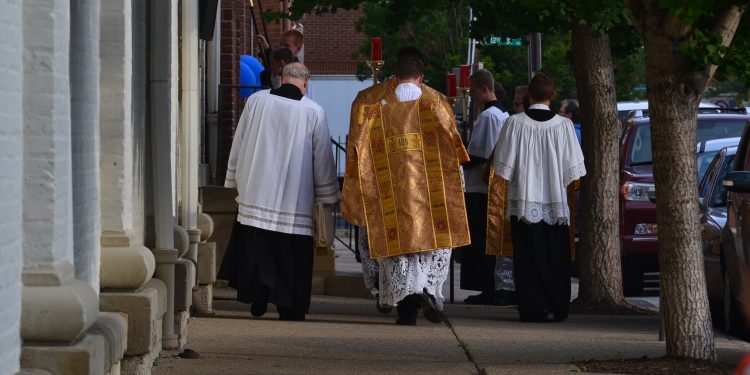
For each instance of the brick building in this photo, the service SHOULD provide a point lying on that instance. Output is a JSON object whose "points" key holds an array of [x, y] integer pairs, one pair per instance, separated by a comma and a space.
{"points": [[331, 43]]}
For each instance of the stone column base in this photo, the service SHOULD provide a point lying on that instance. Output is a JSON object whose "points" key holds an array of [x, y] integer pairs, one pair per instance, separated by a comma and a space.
{"points": [[180, 327], [137, 364], [57, 313], [203, 300], [184, 280], [126, 267], [144, 322], [99, 351]]}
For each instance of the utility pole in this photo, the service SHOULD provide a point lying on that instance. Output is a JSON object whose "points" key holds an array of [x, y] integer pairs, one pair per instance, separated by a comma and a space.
{"points": [[535, 54]]}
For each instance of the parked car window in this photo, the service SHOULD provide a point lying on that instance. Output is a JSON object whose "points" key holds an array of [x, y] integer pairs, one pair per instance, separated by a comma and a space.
{"points": [[707, 130], [719, 199], [641, 151], [703, 161], [710, 129]]}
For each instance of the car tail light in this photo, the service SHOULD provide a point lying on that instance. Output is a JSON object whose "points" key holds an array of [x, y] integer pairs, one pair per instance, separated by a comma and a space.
{"points": [[645, 228], [637, 191]]}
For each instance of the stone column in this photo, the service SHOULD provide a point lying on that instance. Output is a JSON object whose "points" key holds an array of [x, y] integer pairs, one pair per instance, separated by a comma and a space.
{"points": [[127, 265], [47, 198], [163, 88], [11, 163], [206, 272], [84, 82], [57, 309], [189, 157]]}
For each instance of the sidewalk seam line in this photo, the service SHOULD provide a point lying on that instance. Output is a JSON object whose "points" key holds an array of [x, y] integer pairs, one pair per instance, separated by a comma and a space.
{"points": [[465, 347]]}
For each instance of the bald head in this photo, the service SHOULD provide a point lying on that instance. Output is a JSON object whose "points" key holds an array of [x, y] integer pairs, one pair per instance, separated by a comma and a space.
{"points": [[296, 74]]}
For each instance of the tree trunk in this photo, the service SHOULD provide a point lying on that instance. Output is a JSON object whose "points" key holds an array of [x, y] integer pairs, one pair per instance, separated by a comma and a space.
{"points": [[598, 251], [675, 87], [673, 104]]}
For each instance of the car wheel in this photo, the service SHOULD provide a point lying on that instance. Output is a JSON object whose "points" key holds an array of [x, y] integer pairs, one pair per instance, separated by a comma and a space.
{"points": [[632, 279]]}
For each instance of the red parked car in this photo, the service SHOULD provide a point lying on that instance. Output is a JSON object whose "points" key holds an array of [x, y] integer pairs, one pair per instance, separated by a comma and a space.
{"points": [[638, 230]]}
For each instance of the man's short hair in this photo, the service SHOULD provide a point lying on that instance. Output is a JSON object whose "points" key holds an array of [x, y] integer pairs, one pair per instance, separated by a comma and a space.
{"points": [[541, 88], [283, 53], [409, 63], [296, 70], [483, 78], [522, 90], [295, 35], [571, 106], [499, 91]]}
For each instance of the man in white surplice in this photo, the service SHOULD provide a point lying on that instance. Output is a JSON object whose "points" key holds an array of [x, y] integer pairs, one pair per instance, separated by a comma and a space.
{"points": [[539, 155], [281, 163], [478, 270]]}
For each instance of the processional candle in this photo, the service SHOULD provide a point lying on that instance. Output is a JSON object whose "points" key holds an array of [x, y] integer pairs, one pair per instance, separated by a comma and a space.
{"points": [[377, 51]]}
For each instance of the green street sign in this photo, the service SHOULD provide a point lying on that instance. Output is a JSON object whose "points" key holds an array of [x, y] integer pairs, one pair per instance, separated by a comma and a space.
{"points": [[503, 41]]}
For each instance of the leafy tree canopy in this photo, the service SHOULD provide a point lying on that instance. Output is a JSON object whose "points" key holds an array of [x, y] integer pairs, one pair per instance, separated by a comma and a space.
{"points": [[513, 18]]}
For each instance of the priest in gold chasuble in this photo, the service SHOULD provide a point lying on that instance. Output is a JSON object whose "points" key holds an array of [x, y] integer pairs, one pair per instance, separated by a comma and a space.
{"points": [[403, 184]]}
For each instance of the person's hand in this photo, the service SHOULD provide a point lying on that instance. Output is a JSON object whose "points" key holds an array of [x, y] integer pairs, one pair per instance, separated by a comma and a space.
{"points": [[262, 41]]}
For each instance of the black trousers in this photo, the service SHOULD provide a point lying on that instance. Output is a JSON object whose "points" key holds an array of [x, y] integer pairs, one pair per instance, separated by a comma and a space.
{"points": [[258, 258], [477, 268], [541, 266]]}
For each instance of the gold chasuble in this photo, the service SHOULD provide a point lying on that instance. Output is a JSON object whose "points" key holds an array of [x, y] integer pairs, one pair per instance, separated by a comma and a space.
{"points": [[499, 239], [402, 180]]}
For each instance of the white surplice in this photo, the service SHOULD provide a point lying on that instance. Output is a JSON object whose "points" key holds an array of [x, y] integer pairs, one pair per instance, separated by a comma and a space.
{"points": [[482, 142], [539, 159], [281, 163]]}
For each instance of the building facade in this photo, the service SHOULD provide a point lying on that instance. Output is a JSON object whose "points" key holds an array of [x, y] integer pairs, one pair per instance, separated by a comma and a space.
{"points": [[112, 120], [101, 253]]}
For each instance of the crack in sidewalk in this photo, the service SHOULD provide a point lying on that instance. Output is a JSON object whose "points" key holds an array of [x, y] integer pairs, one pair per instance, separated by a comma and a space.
{"points": [[465, 347]]}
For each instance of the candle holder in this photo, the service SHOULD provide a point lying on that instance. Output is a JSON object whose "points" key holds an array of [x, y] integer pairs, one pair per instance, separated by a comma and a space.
{"points": [[464, 95], [375, 66], [452, 100]]}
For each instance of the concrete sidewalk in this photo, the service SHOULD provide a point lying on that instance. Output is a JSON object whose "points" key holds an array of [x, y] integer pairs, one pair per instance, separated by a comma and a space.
{"points": [[347, 335]]}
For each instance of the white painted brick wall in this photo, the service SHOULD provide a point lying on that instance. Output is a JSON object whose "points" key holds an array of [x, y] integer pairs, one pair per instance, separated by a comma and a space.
{"points": [[116, 120], [47, 209], [11, 151], [84, 82], [140, 87]]}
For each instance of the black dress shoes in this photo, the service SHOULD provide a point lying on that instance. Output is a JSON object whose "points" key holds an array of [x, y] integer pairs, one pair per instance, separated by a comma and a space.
{"points": [[429, 308], [403, 321], [543, 317], [289, 315], [260, 305], [505, 298], [483, 298]]}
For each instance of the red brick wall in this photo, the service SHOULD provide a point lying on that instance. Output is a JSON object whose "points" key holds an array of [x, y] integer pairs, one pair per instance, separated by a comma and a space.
{"points": [[330, 42], [234, 42]]}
